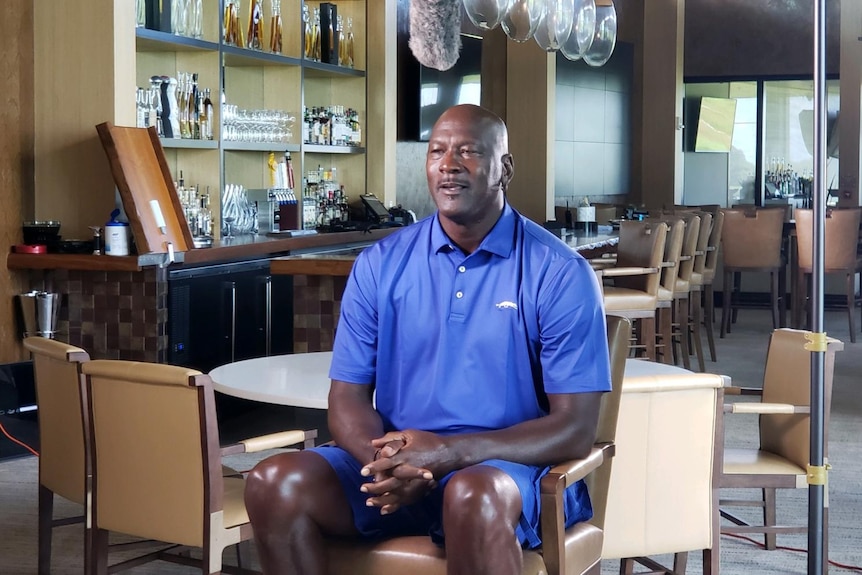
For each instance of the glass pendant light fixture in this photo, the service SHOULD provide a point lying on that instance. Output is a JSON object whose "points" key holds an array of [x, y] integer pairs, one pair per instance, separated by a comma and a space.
{"points": [[555, 25], [486, 14], [583, 30], [522, 19], [605, 37]]}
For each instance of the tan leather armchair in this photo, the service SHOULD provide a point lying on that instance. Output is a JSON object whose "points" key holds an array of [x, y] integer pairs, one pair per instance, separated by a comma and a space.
{"points": [[841, 241], [575, 551], [63, 467], [157, 462], [656, 504], [781, 459]]}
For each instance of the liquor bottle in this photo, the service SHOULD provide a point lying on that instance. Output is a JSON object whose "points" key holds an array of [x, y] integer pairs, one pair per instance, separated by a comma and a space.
{"points": [[306, 32], [315, 36], [350, 58], [207, 116], [275, 32], [255, 26], [194, 110], [183, 105], [342, 41]]}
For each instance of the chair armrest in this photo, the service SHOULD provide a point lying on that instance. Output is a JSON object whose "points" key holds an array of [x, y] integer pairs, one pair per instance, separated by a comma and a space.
{"points": [[626, 271], [271, 441], [684, 258], [668, 264], [765, 408], [736, 390], [602, 263], [711, 248], [574, 470], [553, 513]]}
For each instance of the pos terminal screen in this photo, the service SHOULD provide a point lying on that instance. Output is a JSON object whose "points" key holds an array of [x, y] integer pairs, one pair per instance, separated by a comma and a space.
{"points": [[374, 207]]}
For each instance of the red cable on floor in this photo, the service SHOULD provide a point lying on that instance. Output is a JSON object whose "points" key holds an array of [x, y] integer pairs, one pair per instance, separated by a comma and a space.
{"points": [[794, 549], [21, 443]]}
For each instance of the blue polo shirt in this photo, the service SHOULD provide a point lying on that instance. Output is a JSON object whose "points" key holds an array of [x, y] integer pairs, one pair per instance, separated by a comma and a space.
{"points": [[459, 343]]}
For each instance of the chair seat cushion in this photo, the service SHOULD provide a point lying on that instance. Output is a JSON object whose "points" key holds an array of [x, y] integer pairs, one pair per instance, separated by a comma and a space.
{"points": [[625, 299], [418, 555], [234, 505], [697, 279], [664, 294], [757, 462]]}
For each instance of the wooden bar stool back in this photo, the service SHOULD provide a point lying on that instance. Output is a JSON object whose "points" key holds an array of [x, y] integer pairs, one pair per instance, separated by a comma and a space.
{"points": [[842, 238], [751, 242]]}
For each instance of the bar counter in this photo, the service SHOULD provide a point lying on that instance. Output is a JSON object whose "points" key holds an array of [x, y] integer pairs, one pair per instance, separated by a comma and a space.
{"points": [[140, 308], [228, 249]]}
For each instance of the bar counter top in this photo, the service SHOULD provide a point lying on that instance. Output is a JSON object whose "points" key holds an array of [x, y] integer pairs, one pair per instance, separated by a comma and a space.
{"points": [[227, 249], [340, 263]]}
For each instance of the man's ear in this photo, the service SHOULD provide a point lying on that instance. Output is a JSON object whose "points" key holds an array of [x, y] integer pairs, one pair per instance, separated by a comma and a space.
{"points": [[508, 170]]}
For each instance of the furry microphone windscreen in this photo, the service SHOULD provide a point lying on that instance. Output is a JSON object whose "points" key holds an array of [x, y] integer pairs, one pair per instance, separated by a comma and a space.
{"points": [[435, 27]]}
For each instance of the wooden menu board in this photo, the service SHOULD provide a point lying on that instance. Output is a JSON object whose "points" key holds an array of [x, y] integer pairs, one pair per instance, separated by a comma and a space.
{"points": [[142, 176]]}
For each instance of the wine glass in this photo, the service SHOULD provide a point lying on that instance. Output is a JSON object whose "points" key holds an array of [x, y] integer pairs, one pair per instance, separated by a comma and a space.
{"points": [[555, 25], [228, 223], [486, 14], [583, 30], [522, 19], [605, 37]]}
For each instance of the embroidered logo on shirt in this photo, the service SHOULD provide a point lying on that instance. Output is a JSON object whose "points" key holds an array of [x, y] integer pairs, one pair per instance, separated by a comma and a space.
{"points": [[507, 305]]}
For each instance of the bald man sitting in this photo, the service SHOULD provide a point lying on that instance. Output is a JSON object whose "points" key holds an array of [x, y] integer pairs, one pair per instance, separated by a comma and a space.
{"points": [[483, 336]]}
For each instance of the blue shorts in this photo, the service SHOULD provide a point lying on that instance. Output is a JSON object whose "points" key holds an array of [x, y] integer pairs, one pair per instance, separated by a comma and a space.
{"points": [[425, 516]]}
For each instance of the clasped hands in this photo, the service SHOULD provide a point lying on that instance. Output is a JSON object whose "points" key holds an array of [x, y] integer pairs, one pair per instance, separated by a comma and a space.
{"points": [[404, 468]]}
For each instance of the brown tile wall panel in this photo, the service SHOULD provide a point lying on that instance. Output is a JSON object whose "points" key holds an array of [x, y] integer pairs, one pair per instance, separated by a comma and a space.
{"points": [[316, 305], [113, 315]]}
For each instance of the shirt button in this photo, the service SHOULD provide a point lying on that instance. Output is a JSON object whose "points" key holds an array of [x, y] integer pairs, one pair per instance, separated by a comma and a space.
{"points": [[459, 294], [462, 269]]}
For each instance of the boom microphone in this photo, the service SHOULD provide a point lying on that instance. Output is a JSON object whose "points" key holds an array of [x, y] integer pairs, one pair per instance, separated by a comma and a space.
{"points": [[435, 27]]}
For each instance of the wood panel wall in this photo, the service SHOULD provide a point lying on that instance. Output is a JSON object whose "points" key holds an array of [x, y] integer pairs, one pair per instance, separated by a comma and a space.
{"points": [[16, 156]]}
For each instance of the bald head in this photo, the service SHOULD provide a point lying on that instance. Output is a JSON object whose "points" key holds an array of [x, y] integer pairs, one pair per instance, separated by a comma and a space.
{"points": [[482, 120]]}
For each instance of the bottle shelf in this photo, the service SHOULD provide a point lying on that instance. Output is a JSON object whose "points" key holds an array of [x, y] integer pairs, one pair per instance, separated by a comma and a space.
{"points": [[318, 149], [189, 144], [259, 147], [147, 40], [317, 69], [239, 57]]}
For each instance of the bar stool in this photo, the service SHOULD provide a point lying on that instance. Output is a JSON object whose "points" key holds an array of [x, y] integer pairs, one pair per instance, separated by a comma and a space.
{"points": [[696, 311], [708, 279], [669, 273], [751, 242], [635, 278], [842, 236], [682, 288]]}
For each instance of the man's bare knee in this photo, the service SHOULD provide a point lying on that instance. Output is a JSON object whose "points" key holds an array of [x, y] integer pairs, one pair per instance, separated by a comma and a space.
{"points": [[483, 496]]}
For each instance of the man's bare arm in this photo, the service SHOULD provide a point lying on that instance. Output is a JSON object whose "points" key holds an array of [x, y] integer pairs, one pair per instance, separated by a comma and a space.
{"points": [[353, 421], [567, 432]]}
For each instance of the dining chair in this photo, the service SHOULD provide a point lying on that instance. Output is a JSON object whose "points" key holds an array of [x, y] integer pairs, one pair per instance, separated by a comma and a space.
{"points": [[630, 287], [840, 255], [752, 241], [781, 458], [682, 290], [572, 551], [665, 418], [156, 461], [64, 468]]}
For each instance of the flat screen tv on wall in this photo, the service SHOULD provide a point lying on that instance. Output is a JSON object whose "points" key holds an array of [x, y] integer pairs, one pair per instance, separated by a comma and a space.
{"points": [[715, 120], [426, 93]]}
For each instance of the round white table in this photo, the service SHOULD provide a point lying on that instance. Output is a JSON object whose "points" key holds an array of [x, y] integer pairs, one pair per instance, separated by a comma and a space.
{"points": [[302, 379], [297, 379]]}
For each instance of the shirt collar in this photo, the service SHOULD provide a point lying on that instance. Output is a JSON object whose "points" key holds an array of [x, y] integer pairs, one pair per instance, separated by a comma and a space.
{"points": [[499, 240]]}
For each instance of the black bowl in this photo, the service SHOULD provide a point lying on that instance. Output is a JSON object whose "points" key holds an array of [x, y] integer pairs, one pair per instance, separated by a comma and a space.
{"points": [[41, 232]]}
